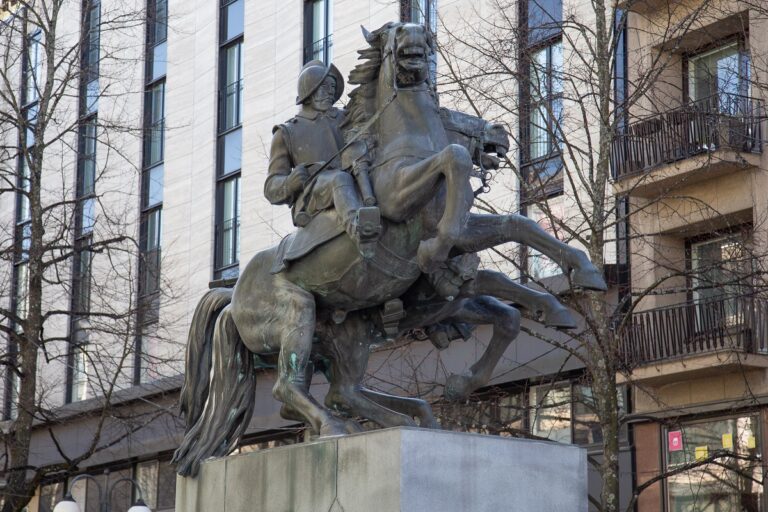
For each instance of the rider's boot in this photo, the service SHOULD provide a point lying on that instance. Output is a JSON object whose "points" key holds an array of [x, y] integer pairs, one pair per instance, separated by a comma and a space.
{"points": [[364, 227]]}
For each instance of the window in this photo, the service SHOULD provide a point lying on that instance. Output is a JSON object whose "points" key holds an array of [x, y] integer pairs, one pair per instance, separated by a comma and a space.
{"points": [[722, 268], [227, 234], [157, 34], [318, 27], [563, 412], [542, 97], [32, 68], [85, 209], [539, 266], [423, 12], [550, 412], [726, 484], [152, 181], [719, 75], [230, 144]]}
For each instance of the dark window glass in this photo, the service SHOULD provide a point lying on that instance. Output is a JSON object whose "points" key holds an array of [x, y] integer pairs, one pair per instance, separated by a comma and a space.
{"points": [[82, 292], [232, 88], [232, 20], [544, 19], [318, 23], [33, 67], [153, 183], [158, 61], [231, 150], [229, 225], [87, 178], [91, 41], [166, 486], [155, 124], [158, 22], [50, 495], [30, 117]]}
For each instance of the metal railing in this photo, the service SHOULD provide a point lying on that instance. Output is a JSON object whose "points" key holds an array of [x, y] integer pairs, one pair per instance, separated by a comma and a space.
{"points": [[691, 328], [720, 121]]}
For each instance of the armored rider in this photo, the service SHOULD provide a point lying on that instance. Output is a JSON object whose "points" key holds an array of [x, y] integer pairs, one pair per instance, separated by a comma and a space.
{"points": [[305, 165]]}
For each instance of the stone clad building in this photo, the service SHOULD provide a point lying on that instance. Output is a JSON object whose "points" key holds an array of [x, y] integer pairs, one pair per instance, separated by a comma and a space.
{"points": [[206, 83]]}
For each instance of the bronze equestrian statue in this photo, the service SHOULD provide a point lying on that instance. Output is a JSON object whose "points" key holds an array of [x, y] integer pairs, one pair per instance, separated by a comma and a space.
{"points": [[318, 297]]}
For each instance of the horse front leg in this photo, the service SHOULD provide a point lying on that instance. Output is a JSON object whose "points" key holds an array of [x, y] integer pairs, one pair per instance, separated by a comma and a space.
{"points": [[506, 326], [544, 306], [404, 191], [486, 231]]}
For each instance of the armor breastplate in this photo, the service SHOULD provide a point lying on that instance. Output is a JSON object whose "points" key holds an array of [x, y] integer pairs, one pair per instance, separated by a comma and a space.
{"points": [[314, 140]]}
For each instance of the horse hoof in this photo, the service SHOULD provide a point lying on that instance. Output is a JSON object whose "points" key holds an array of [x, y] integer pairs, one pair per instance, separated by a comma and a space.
{"points": [[559, 318], [352, 427], [457, 387], [430, 255], [333, 428], [589, 279]]}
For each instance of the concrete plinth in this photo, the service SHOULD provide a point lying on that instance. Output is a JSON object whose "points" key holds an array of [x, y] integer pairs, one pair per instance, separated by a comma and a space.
{"points": [[394, 470]]}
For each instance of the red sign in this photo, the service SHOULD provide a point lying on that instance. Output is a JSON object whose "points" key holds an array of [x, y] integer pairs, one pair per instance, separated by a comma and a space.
{"points": [[675, 441]]}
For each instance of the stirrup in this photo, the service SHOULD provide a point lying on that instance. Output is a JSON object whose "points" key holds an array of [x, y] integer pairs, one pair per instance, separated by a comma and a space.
{"points": [[367, 230]]}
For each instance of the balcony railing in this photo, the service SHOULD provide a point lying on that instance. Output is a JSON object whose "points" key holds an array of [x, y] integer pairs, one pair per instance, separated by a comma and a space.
{"points": [[722, 121], [693, 328]]}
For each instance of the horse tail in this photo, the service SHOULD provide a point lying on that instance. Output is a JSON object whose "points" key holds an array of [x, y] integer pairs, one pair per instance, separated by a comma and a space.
{"points": [[218, 393]]}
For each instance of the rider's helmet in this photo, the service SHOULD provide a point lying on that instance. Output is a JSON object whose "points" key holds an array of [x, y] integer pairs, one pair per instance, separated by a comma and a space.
{"points": [[312, 75]]}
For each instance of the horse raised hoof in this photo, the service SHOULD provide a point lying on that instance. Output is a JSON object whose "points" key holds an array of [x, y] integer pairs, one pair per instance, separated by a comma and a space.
{"points": [[589, 278], [559, 318], [458, 387]]}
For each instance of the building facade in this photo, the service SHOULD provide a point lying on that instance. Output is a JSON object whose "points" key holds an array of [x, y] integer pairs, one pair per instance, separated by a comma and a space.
{"points": [[170, 119]]}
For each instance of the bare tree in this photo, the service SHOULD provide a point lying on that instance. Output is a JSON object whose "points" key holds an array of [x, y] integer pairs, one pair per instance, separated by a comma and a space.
{"points": [[586, 93], [71, 78]]}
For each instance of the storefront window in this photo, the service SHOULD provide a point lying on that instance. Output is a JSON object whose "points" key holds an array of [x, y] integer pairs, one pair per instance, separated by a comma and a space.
{"points": [[730, 476]]}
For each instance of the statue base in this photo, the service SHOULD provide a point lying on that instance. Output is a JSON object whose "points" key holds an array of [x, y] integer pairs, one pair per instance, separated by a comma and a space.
{"points": [[394, 470]]}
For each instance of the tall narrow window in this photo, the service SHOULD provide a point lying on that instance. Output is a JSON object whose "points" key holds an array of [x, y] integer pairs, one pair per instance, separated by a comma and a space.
{"points": [[318, 27], [30, 87], [423, 12], [85, 208], [542, 97], [227, 235], [152, 180]]}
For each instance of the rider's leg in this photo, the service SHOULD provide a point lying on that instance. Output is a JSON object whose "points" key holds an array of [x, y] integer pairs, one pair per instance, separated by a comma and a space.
{"points": [[361, 224], [496, 284], [485, 231]]}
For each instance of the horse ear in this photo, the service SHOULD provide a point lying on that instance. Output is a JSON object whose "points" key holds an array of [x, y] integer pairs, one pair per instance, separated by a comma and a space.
{"points": [[366, 34]]}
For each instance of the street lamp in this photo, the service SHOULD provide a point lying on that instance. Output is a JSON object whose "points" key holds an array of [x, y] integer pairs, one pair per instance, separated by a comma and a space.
{"points": [[68, 504]]}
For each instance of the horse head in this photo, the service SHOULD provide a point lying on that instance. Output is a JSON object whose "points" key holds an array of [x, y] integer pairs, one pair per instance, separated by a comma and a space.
{"points": [[405, 49]]}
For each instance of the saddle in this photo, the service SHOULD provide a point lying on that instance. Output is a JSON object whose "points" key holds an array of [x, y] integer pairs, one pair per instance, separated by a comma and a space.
{"points": [[322, 228]]}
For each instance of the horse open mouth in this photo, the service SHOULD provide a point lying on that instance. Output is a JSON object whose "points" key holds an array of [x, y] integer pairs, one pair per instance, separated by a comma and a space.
{"points": [[411, 57]]}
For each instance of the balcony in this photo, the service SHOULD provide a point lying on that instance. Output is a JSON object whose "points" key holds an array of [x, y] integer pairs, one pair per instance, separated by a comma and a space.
{"points": [[719, 134], [705, 337]]}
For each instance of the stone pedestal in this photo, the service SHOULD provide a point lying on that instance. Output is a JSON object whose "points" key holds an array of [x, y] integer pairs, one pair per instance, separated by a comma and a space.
{"points": [[394, 470]]}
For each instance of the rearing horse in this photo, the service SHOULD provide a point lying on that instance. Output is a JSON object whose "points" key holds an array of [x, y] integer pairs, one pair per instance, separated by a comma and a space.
{"points": [[421, 182]]}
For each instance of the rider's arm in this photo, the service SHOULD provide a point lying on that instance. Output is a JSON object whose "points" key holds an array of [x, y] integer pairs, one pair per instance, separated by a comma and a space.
{"points": [[276, 188]]}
